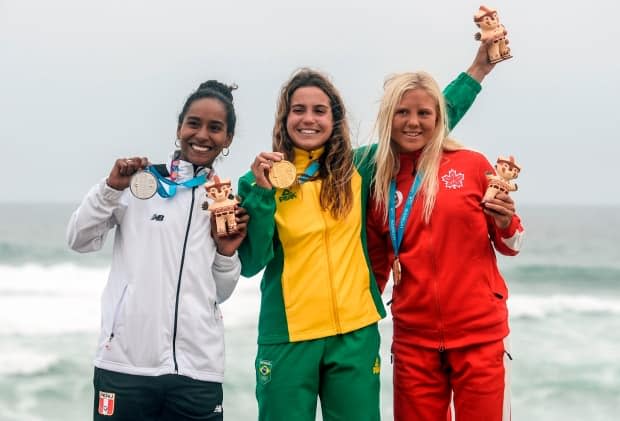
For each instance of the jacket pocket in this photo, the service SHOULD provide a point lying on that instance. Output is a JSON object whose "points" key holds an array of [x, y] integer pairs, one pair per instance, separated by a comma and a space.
{"points": [[215, 319], [112, 323]]}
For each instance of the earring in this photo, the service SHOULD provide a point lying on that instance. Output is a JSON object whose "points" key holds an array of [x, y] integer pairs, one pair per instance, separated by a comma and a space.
{"points": [[177, 143], [225, 151]]}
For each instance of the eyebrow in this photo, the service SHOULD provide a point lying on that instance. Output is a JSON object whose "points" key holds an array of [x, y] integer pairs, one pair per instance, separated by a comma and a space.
{"points": [[211, 121], [303, 104]]}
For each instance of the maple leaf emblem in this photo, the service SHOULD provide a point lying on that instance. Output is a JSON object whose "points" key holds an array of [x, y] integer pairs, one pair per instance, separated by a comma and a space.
{"points": [[453, 180]]}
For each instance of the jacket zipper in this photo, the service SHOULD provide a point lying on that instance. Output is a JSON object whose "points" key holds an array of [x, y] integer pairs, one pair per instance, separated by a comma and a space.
{"points": [[176, 304], [116, 311], [442, 343], [330, 275]]}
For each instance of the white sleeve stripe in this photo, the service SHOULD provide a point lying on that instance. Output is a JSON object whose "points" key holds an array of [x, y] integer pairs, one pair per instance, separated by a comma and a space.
{"points": [[514, 242]]}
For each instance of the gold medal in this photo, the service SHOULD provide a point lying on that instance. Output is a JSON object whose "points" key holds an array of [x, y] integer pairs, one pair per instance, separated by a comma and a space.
{"points": [[396, 271], [282, 174]]}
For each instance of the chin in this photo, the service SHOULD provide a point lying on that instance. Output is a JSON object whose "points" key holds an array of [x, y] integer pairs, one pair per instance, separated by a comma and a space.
{"points": [[203, 161], [306, 146]]}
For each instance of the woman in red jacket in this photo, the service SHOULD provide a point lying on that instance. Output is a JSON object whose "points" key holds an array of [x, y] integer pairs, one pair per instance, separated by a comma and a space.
{"points": [[427, 223]]}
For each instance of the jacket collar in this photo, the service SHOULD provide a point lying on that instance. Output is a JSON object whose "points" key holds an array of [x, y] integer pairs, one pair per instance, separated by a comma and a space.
{"points": [[409, 162], [181, 170], [303, 157]]}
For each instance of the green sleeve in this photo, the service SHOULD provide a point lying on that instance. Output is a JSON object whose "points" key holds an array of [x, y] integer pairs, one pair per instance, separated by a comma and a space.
{"points": [[256, 251], [460, 95]]}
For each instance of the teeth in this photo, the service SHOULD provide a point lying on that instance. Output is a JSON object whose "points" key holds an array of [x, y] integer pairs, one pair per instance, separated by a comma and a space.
{"points": [[200, 148], [308, 131]]}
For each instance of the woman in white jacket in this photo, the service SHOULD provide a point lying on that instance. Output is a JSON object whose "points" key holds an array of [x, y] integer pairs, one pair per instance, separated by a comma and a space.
{"points": [[161, 350]]}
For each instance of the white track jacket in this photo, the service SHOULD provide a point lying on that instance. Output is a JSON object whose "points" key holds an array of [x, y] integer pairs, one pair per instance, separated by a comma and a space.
{"points": [[160, 311]]}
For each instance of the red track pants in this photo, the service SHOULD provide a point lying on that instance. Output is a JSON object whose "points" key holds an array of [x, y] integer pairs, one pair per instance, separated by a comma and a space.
{"points": [[476, 377]]}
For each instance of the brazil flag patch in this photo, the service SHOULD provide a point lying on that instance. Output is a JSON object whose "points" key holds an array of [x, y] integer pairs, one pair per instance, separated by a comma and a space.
{"points": [[264, 371]]}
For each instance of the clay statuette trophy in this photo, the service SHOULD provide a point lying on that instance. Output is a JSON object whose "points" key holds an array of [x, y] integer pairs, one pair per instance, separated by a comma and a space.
{"points": [[223, 206], [486, 19], [507, 170]]}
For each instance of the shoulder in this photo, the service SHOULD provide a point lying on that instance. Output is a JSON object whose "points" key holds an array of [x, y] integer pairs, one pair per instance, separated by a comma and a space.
{"points": [[469, 159], [467, 154], [364, 156]]}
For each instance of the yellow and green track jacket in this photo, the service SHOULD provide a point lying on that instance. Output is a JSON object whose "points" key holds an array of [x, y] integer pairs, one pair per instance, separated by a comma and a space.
{"points": [[317, 280]]}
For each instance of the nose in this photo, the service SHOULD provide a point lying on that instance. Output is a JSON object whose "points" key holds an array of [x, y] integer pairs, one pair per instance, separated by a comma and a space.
{"points": [[202, 133], [413, 121], [307, 117]]}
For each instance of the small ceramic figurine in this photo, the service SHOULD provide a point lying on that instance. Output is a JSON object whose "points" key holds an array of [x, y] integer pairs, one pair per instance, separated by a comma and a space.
{"points": [[223, 206], [507, 170], [486, 19]]}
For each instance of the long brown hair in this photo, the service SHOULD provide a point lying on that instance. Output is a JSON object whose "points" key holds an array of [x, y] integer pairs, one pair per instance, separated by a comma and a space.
{"points": [[336, 163]]}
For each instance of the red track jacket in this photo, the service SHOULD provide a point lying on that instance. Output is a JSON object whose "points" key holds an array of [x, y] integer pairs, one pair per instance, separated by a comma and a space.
{"points": [[451, 293]]}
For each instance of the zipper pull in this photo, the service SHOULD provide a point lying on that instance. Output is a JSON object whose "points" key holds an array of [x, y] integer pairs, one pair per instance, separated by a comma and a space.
{"points": [[107, 345]]}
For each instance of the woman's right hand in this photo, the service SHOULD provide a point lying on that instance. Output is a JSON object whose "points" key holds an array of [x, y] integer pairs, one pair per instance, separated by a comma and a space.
{"points": [[123, 169], [481, 66], [261, 166]]}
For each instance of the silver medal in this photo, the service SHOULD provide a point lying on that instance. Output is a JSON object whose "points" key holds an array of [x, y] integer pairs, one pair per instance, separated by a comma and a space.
{"points": [[143, 185]]}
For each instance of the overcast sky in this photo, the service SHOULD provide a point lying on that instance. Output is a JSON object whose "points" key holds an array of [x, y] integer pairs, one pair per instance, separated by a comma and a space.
{"points": [[85, 82]]}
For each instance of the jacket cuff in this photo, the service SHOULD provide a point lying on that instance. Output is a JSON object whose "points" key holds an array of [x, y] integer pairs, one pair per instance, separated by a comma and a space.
{"points": [[469, 81], [263, 192], [226, 262], [511, 229], [108, 193]]}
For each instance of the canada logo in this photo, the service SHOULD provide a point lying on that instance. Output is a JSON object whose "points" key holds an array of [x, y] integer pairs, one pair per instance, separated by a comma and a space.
{"points": [[453, 180], [106, 403]]}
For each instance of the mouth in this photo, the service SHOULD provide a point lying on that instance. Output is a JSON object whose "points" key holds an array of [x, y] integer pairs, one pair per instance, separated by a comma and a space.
{"points": [[308, 132], [200, 148], [413, 134]]}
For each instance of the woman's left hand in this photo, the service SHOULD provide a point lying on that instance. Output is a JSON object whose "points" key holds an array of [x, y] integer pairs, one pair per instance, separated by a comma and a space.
{"points": [[501, 208], [227, 246]]}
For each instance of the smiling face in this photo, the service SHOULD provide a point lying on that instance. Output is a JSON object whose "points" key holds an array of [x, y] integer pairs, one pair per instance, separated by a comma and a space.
{"points": [[203, 132], [414, 121], [310, 121], [489, 21]]}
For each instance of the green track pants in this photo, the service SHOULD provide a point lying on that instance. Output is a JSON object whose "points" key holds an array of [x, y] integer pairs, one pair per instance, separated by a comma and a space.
{"points": [[342, 370]]}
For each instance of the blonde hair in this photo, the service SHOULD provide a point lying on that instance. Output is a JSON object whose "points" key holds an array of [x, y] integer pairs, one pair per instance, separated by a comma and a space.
{"points": [[336, 162], [387, 157]]}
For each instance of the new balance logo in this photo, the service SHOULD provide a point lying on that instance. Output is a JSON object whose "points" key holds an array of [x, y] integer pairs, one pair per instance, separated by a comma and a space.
{"points": [[287, 195], [157, 218]]}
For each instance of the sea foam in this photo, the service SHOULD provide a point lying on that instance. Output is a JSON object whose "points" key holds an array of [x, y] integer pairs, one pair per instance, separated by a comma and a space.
{"points": [[536, 306], [65, 298]]}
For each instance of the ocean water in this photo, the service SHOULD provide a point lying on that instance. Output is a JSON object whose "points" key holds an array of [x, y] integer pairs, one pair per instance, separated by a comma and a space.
{"points": [[564, 314]]}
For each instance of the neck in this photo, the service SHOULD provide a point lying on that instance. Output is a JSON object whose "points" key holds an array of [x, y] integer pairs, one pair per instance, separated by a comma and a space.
{"points": [[308, 154]]}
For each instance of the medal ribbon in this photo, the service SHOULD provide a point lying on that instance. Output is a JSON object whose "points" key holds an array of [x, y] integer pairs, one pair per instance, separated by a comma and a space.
{"points": [[172, 185], [397, 235], [310, 172]]}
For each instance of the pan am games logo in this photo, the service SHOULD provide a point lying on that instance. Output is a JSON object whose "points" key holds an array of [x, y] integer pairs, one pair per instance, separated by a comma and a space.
{"points": [[106, 403]]}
